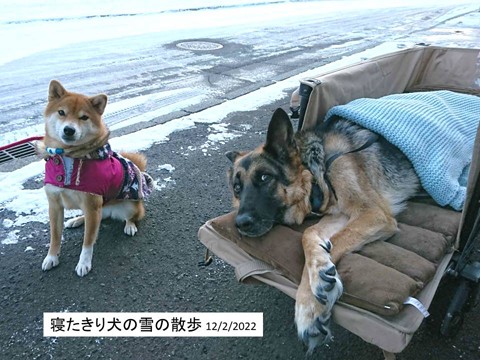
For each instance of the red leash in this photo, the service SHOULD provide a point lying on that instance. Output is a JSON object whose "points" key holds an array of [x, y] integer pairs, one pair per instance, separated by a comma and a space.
{"points": [[20, 142]]}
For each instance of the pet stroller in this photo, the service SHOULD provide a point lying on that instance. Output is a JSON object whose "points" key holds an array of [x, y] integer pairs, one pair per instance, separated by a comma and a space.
{"points": [[388, 286]]}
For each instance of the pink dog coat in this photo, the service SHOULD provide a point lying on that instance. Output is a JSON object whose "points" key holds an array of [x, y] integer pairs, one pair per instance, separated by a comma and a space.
{"points": [[111, 175]]}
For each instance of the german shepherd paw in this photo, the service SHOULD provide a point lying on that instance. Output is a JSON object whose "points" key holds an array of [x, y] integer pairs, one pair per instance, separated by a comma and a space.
{"points": [[49, 262], [315, 300], [313, 322], [324, 280], [326, 285]]}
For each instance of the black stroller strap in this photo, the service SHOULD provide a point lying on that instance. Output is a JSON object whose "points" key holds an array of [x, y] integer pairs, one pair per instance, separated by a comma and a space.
{"points": [[371, 140]]}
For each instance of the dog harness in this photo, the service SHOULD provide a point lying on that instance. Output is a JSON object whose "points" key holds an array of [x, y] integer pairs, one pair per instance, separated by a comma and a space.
{"points": [[106, 173], [316, 196]]}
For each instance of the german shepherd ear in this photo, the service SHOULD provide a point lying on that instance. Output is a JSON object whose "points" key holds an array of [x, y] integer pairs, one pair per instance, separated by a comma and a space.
{"points": [[279, 135], [55, 90], [232, 155], [99, 102]]}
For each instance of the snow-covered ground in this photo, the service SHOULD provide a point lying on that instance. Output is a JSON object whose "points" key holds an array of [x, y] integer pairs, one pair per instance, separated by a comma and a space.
{"points": [[32, 26], [28, 27], [41, 40]]}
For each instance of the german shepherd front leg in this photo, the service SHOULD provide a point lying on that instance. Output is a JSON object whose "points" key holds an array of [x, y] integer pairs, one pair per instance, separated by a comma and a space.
{"points": [[56, 215], [93, 216], [371, 225], [324, 244], [320, 286]]}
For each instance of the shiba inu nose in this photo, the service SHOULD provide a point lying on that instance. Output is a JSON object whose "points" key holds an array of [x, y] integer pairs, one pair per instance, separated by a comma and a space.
{"points": [[68, 130]]}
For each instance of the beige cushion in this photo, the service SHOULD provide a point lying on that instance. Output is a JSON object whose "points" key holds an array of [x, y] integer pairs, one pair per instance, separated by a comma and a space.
{"points": [[357, 311], [381, 276]]}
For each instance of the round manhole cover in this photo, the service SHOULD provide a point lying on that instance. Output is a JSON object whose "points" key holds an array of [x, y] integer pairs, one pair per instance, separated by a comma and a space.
{"points": [[199, 45]]}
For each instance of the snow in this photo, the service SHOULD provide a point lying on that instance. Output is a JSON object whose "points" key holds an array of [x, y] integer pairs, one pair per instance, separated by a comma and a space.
{"points": [[13, 180], [28, 10], [161, 184], [167, 167], [38, 33], [136, 105], [143, 102], [12, 238], [32, 26], [7, 223], [219, 133]]}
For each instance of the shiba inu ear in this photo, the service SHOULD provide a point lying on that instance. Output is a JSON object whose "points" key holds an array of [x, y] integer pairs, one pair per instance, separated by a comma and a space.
{"points": [[55, 90], [279, 135], [99, 102]]}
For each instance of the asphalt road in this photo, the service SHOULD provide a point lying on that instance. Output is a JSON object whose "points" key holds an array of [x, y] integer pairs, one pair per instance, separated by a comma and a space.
{"points": [[156, 271]]}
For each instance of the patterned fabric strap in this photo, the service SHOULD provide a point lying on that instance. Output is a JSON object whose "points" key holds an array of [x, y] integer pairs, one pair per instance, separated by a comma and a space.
{"points": [[137, 185], [101, 153]]}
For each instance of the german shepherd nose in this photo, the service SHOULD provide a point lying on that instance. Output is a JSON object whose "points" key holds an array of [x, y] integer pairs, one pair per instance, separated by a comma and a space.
{"points": [[244, 222], [68, 131]]}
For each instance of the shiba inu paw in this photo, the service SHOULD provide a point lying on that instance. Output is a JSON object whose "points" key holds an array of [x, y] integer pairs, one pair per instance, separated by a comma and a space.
{"points": [[49, 262], [83, 269], [75, 222], [85, 262], [130, 228]]}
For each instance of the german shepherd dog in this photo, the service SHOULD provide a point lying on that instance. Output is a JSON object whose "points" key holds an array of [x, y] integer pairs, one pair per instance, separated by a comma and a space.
{"points": [[352, 177]]}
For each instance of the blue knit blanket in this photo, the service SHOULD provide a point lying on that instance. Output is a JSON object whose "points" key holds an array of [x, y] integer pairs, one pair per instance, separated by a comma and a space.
{"points": [[435, 130]]}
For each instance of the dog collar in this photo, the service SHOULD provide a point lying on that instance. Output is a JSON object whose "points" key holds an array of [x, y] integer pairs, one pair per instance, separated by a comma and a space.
{"points": [[55, 151]]}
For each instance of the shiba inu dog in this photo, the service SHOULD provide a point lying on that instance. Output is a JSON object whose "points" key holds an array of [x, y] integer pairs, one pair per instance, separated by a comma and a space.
{"points": [[82, 172], [353, 177]]}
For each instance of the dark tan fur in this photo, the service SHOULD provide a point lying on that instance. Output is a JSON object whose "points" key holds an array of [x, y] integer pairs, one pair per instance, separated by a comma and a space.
{"points": [[83, 113]]}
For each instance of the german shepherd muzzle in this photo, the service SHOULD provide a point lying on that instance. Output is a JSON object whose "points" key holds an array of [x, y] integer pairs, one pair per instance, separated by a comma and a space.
{"points": [[353, 178]]}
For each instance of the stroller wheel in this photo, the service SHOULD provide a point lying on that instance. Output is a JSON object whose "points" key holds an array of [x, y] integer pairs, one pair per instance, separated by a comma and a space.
{"points": [[451, 324], [453, 320], [474, 297]]}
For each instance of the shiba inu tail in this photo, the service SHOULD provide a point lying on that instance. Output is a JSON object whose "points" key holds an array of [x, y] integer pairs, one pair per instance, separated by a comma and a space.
{"points": [[138, 159]]}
